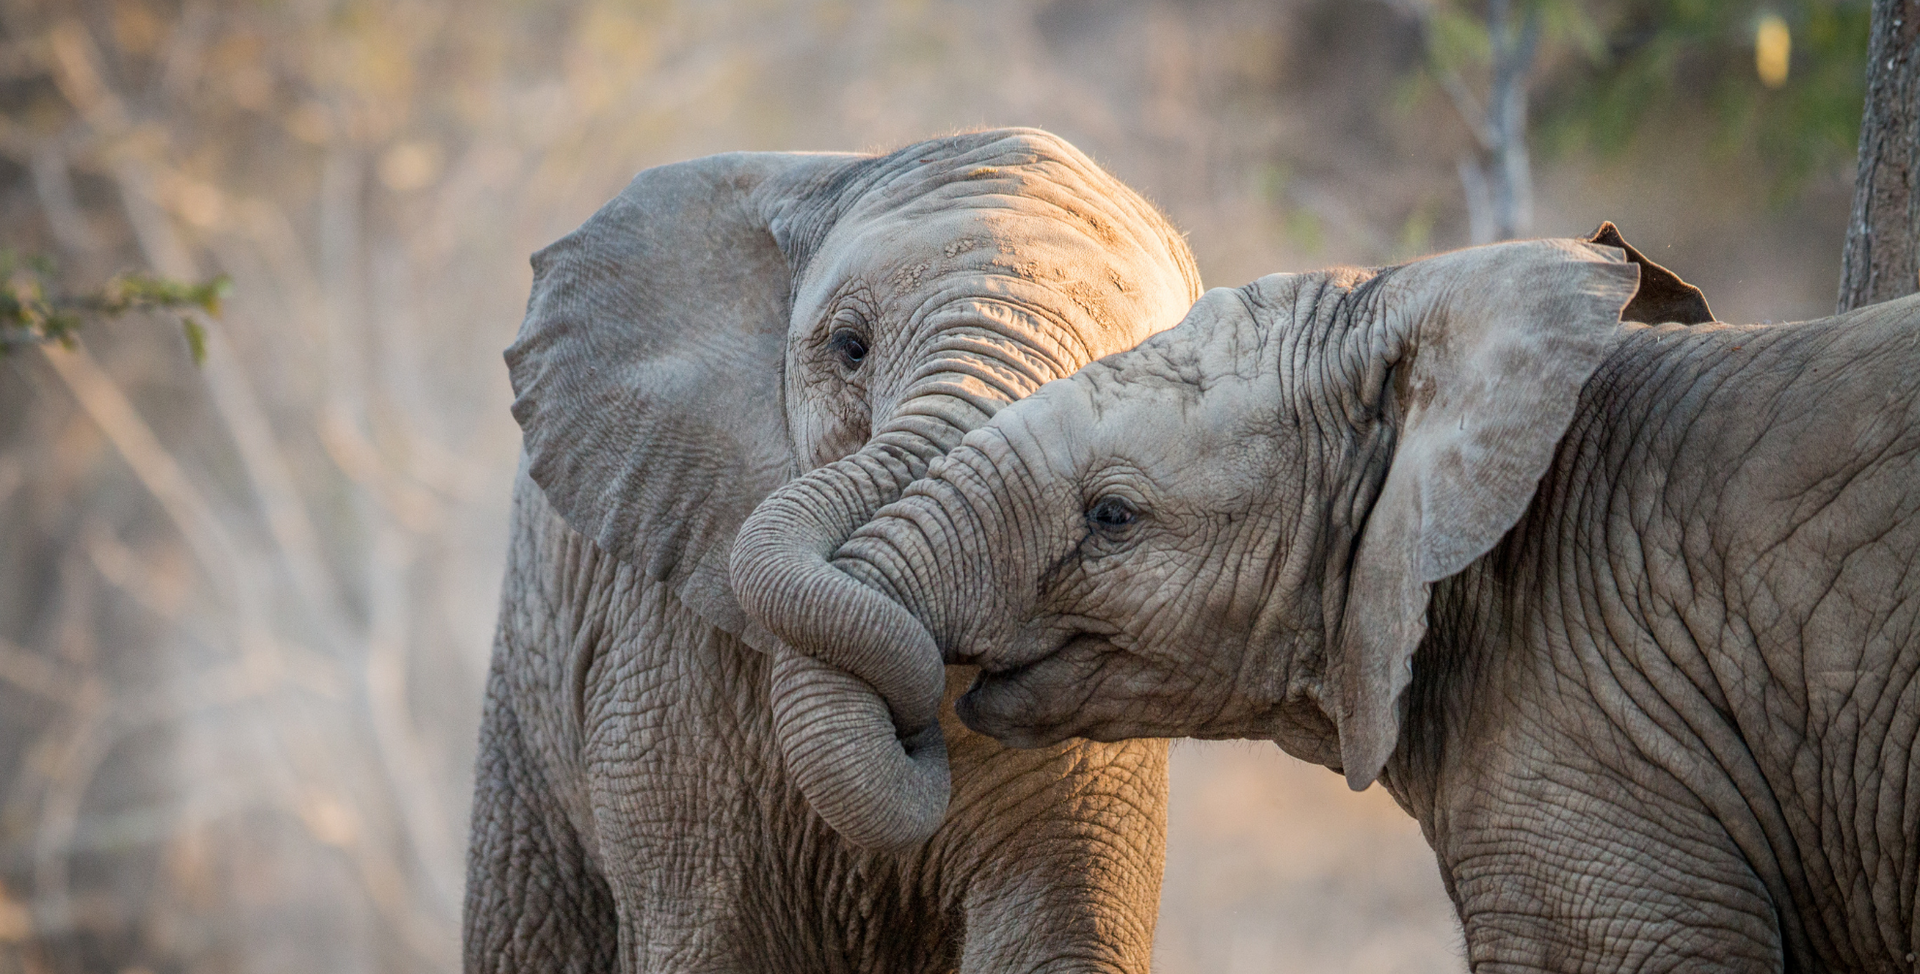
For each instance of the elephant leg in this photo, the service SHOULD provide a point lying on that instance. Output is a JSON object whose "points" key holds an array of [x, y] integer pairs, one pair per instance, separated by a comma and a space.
{"points": [[1027, 929], [1572, 871], [1606, 918], [534, 901], [1069, 857]]}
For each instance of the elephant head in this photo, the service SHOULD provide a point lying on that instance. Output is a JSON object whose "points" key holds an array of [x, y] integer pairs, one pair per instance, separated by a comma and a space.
{"points": [[1232, 530], [783, 341]]}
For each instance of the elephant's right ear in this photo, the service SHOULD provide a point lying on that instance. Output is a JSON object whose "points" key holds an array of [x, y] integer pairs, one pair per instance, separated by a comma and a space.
{"points": [[1478, 357], [646, 375]]}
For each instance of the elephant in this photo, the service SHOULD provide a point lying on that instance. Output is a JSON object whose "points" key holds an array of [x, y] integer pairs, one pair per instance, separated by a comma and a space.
{"points": [[797, 333], [1624, 611]]}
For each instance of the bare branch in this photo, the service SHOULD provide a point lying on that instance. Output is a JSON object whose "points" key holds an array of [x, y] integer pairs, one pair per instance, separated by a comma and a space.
{"points": [[287, 518], [1468, 108], [77, 72], [400, 753], [36, 674], [100, 397], [54, 187]]}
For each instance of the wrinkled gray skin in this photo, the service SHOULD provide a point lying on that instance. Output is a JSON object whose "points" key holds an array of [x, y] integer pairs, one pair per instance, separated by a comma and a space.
{"points": [[1627, 616], [801, 332]]}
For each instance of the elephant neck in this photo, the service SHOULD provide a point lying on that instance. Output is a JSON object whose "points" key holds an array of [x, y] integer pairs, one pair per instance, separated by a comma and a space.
{"points": [[1512, 638], [1453, 667]]}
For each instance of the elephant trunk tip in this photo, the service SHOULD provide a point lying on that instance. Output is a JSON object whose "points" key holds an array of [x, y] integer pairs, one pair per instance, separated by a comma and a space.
{"points": [[877, 788]]}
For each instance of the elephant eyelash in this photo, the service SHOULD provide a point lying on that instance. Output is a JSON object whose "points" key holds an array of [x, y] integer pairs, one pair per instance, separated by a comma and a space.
{"points": [[848, 332], [849, 346], [1112, 523], [1111, 513]]}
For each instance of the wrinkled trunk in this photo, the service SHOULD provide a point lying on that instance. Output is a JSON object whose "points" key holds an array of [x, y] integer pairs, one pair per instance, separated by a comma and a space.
{"points": [[856, 705]]}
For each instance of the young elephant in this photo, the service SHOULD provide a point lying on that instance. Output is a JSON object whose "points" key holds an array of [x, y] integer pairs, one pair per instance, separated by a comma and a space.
{"points": [[800, 333], [1627, 616]]}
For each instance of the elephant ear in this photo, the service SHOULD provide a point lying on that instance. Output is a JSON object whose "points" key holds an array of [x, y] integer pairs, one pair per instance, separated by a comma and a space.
{"points": [[1485, 351], [646, 376], [1663, 296]]}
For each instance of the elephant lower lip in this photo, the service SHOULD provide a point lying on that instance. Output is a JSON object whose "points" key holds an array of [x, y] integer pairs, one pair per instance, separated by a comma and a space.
{"points": [[967, 707], [990, 675], [1014, 731], [1021, 719]]}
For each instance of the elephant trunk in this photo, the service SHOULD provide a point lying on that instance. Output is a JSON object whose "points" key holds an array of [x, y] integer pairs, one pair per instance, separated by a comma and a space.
{"points": [[857, 685]]}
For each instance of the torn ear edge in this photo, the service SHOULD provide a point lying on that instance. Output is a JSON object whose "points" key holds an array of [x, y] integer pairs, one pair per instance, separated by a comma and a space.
{"points": [[1662, 296]]}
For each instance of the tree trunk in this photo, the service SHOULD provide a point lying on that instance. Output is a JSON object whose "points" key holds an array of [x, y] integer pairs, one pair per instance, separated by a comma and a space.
{"points": [[1882, 256], [1498, 178]]}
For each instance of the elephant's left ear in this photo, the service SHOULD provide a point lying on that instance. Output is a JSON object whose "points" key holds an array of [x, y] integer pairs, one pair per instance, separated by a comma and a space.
{"points": [[1484, 352], [646, 375]]}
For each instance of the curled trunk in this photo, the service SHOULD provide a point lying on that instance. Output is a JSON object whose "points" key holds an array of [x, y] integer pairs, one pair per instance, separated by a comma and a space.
{"points": [[857, 711]]}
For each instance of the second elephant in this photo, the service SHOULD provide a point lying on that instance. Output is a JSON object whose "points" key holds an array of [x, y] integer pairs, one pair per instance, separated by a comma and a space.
{"points": [[1626, 615]]}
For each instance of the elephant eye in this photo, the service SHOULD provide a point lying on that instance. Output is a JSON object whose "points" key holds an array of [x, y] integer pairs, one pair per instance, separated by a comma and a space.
{"points": [[851, 348], [1111, 512]]}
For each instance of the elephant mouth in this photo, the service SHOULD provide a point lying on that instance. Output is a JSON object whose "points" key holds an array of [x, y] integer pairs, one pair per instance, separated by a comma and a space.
{"points": [[1005, 704]]}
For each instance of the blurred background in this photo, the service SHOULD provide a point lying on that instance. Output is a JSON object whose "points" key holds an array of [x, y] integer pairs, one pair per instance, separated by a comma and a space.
{"points": [[246, 605]]}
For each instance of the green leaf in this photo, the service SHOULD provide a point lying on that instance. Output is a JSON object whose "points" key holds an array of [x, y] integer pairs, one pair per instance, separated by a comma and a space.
{"points": [[208, 295], [28, 315], [196, 340]]}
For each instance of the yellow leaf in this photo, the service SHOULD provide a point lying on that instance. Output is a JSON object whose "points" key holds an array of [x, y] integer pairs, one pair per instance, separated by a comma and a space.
{"points": [[1772, 47]]}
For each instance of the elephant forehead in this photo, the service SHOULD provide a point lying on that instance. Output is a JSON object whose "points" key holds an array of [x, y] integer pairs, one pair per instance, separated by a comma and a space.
{"points": [[1218, 342], [1052, 286], [1020, 176], [1194, 444], [1068, 202], [1002, 236], [1096, 421], [1166, 425]]}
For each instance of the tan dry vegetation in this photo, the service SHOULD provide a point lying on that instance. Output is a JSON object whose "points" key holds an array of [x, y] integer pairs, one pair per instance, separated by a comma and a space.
{"points": [[245, 609]]}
